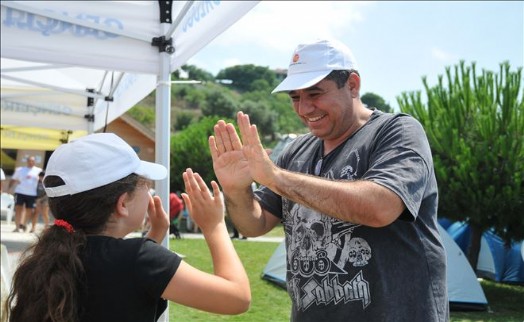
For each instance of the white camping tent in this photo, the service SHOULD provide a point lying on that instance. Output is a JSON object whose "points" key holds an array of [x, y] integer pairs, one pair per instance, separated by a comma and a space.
{"points": [[464, 290], [131, 46]]}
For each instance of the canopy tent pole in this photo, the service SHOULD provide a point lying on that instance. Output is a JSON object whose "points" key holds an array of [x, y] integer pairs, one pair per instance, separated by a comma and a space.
{"points": [[163, 115], [162, 133]]}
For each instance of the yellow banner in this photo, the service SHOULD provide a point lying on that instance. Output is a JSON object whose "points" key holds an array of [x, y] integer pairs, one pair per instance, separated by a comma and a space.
{"points": [[17, 137]]}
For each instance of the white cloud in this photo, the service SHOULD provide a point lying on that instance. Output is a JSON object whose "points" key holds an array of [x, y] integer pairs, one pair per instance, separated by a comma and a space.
{"points": [[279, 23], [271, 30], [442, 55]]}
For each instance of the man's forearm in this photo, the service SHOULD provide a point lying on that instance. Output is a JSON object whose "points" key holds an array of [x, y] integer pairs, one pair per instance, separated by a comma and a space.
{"points": [[360, 202], [12, 182], [245, 212]]}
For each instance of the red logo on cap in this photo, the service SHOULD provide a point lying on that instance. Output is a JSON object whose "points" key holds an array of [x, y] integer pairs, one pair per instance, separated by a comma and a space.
{"points": [[295, 58]]}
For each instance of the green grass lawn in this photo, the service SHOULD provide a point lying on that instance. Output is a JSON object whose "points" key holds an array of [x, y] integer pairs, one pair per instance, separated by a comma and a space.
{"points": [[271, 303]]}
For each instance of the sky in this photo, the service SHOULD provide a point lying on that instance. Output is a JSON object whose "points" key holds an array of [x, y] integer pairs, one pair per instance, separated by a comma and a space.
{"points": [[395, 43]]}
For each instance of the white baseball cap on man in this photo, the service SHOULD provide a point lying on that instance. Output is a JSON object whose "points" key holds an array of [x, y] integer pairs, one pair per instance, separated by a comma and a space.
{"points": [[312, 62], [95, 160]]}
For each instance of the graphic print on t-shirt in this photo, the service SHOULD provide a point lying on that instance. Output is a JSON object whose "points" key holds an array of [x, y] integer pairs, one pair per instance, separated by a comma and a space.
{"points": [[322, 249], [319, 253]]}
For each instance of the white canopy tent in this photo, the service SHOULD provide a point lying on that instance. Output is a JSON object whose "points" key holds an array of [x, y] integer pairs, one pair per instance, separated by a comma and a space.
{"points": [[53, 96], [62, 101], [54, 52], [57, 54]]}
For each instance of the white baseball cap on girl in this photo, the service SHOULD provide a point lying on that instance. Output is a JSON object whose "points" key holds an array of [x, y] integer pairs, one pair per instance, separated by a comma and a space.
{"points": [[95, 160]]}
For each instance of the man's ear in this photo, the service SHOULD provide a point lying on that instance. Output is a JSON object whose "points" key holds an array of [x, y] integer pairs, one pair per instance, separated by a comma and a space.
{"points": [[121, 205], [354, 84]]}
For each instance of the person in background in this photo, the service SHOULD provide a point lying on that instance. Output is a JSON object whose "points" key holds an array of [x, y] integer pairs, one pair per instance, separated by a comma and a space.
{"points": [[41, 205], [83, 269], [357, 197], [2, 179], [26, 180], [175, 211]]}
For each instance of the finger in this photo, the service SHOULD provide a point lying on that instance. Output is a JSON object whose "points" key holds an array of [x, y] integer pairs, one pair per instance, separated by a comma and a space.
{"points": [[243, 125], [213, 148], [223, 142], [151, 207], [187, 200], [202, 186], [248, 130], [186, 182], [216, 189], [255, 138], [189, 182], [193, 181], [159, 209], [228, 136], [236, 143]]}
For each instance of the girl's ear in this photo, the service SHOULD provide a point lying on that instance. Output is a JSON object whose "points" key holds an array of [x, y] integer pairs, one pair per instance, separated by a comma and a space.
{"points": [[121, 205]]}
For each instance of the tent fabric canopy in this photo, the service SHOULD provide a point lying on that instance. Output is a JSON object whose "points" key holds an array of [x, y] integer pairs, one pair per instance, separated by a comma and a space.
{"points": [[54, 52], [78, 38], [67, 97], [112, 35]]}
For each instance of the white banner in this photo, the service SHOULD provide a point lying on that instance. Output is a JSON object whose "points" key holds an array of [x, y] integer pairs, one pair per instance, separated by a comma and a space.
{"points": [[113, 35]]}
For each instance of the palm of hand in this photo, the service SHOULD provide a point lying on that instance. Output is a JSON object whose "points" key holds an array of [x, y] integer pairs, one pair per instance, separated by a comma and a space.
{"points": [[232, 170], [260, 165]]}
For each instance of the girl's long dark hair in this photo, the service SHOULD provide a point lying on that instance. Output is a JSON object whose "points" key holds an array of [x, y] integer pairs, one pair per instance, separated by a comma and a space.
{"points": [[50, 282]]}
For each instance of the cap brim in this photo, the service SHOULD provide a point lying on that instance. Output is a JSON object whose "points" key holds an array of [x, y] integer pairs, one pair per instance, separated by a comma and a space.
{"points": [[152, 171], [300, 81]]}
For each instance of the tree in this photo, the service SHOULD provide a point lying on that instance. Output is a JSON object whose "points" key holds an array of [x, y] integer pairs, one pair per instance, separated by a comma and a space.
{"points": [[190, 149], [249, 77], [374, 100], [475, 126], [221, 102], [183, 119], [194, 73], [260, 114], [143, 114]]}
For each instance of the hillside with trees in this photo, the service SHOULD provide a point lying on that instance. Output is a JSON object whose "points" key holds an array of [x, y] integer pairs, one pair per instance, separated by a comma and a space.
{"points": [[474, 122]]}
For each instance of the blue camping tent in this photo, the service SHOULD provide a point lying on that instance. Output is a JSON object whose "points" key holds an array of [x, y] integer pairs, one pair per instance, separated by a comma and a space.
{"points": [[464, 290], [496, 261]]}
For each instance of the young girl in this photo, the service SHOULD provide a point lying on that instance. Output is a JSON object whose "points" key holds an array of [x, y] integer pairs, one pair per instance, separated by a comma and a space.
{"points": [[82, 268]]}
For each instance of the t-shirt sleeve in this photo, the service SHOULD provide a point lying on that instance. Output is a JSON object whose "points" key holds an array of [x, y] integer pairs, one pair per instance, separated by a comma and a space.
{"points": [[16, 174], [269, 200], [401, 162], [155, 266]]}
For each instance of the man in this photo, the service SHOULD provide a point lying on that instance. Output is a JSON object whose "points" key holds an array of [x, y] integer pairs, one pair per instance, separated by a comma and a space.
{"points": [[26, 179], [2, 179], [357, 197], [175, 210]]}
